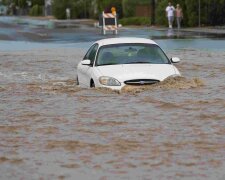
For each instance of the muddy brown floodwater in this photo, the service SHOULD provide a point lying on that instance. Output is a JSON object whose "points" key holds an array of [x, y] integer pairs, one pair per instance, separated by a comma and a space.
{"points": [[52, 129]]}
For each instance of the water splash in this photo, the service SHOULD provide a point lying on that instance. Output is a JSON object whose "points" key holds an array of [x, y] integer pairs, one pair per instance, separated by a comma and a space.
{"points": [[178, 82]]}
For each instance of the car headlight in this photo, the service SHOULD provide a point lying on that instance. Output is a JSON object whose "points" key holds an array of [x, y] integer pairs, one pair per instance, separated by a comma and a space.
{"points": [[109, 81]]}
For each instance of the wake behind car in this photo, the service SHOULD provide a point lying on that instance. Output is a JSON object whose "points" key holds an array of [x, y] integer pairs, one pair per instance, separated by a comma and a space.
{"points": [[116, 62]]}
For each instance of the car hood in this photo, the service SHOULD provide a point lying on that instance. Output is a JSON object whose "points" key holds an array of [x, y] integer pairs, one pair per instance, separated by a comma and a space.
{"points": [[137, 71]]}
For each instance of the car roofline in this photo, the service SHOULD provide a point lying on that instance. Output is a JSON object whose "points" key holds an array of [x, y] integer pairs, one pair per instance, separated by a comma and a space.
{"points": [[124, 40]]}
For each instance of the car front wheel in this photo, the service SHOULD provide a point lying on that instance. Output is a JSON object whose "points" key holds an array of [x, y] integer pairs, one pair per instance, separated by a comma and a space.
{"points": [[92, 84], [77, 81]]}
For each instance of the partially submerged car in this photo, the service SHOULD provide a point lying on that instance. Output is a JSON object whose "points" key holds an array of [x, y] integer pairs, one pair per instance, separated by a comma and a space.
{"points": [[116, 62]]}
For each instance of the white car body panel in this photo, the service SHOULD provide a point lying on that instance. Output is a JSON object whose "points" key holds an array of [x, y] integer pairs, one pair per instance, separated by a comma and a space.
{"points": [[137, 71]]}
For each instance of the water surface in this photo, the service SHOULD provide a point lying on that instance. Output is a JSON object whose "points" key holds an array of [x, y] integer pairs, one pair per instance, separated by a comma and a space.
{"points": [[52, 129]]}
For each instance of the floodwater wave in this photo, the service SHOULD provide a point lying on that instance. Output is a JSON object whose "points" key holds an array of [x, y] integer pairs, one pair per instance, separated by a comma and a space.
{"points": [[69, 86], [178, 82]]}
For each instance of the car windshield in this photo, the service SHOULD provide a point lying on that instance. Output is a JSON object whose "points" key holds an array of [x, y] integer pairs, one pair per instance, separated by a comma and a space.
{"points": [[131, 54]]}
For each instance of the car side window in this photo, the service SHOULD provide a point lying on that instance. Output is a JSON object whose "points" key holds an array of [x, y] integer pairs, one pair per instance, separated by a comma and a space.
{"points": [[91, 53]]}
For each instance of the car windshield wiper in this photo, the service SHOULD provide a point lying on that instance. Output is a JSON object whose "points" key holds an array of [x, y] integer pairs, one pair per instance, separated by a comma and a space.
{"points": [[139, 62], [107, 64]]}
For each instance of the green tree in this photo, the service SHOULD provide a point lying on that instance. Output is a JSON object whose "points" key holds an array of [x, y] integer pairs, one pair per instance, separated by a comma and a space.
{"points": [[22, 3], [192, 12], [59, 7], [79, 8], [38, 2], [129, 6], [160, 12], [82, 8], [15, 2], [36, 10], [215, 12], [6, 2]]}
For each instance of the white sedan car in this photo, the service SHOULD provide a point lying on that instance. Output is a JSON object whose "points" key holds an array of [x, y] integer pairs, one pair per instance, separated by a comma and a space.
{"points": [[116, 62]]}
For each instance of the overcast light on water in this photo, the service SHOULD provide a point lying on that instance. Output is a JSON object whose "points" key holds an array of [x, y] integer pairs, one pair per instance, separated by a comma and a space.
{"points": [[53, 129]]}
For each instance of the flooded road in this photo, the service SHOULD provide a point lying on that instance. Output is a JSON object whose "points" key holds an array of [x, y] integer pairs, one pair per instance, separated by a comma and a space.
{"points": [[52, 129]]}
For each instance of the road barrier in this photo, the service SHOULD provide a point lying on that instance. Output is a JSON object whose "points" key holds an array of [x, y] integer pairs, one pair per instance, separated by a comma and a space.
{"points": [[108, 21]]}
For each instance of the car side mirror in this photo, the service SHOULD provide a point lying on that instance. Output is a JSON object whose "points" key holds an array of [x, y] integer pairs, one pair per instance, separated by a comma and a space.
{"points": [[86, 62], [175, 59]]}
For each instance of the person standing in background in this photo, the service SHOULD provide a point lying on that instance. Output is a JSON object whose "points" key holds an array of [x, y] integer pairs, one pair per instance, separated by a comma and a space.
{"points": [[179, 15], [68, 13], [170, 14]]}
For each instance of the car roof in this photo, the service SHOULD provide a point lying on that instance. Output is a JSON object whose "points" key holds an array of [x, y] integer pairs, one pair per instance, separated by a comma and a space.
{"points": [[109, 41]]}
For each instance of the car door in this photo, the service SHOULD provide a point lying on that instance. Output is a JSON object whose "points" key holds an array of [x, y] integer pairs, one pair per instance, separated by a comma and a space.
{"points": [[85, 71]]}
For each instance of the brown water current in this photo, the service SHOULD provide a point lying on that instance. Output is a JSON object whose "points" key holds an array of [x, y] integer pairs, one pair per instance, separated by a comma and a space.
{"points": [[52, 129]]}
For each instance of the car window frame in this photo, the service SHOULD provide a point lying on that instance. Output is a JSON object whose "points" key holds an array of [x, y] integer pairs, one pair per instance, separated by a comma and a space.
{"points": [[94, 48]]}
